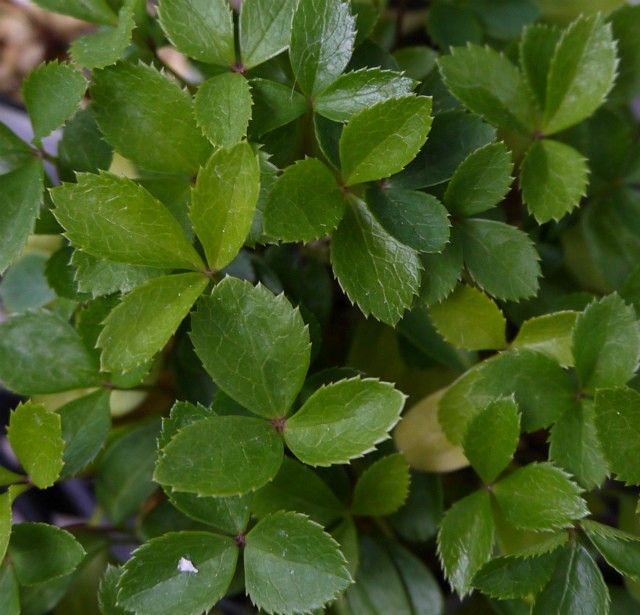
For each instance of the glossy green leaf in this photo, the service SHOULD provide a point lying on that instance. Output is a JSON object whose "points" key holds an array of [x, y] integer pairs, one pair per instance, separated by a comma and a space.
{"points": [[136, 329], [540, 497], [553, 179], [114, 218], [488, 84], [382, 488], [41, 353], [41, 552], [322, 38], [52, 94], [30, 423], [223, 108], [469, 319], [291, 565], [85, 426], [274, 105], [105, 47], [511, 577], [606, 343], [265, 29], [576, 583], [223, 202], [343, 420], [574, 445], [202, 29], [465, 539], [108, 592], [254, 345], [621, 550], [492, 438], [550, 334], [6, 504], [124, 472], [297, 487], [185, 571], [517, 373], [355, 91], [581, 73], [417, 219], [501, 259], [537, 46], [481, 181], [617, 419], [442, 271], [221, 456], [164, 136], [304, 204], [20, 200], [9, 596], [97, 11], [374, 269], [382, 139]]}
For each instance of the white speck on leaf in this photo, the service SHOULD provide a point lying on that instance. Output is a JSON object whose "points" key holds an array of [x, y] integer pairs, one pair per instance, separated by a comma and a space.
{"points": [[186, 565]]}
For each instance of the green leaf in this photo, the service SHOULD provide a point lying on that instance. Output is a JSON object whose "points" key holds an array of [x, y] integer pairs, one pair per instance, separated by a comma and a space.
{"points": [[265, 29], [164, 136], [382, 488], [100, 277], [454, 136], [465, 539], [517, 373], [298, 488], [488, 84], [511, 577], [576, 583], [550, 334], [481, 181], [223, 202], [382, 139], [6, 503], [97, 11], [621, 550], [136, 329], [625, 22], [14, 152], [617, 419], [322, 39], [41, 552], [574, 445], [201, 29], [124, 473], [85, 426], [442, 271], [374, 269], [581, 73], [343, 420], [223, 108], [469, 319], [540, 497], [114, 218], [357, 90], [108, 591], [553, 179], [180, 571], [254, 345], [291, 565], [221, 456], [9, 596], [417, 219], [41, 353], [500, 258], [275, 105], [492, 438], [20, 200], [537, 46], [52, 93], [105, 47], [304, 204], [606, 344], [30, 423], [450, 25]]}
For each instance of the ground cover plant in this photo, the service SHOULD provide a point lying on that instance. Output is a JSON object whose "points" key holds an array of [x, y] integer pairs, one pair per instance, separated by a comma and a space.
{"points": [[338, 314]]}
